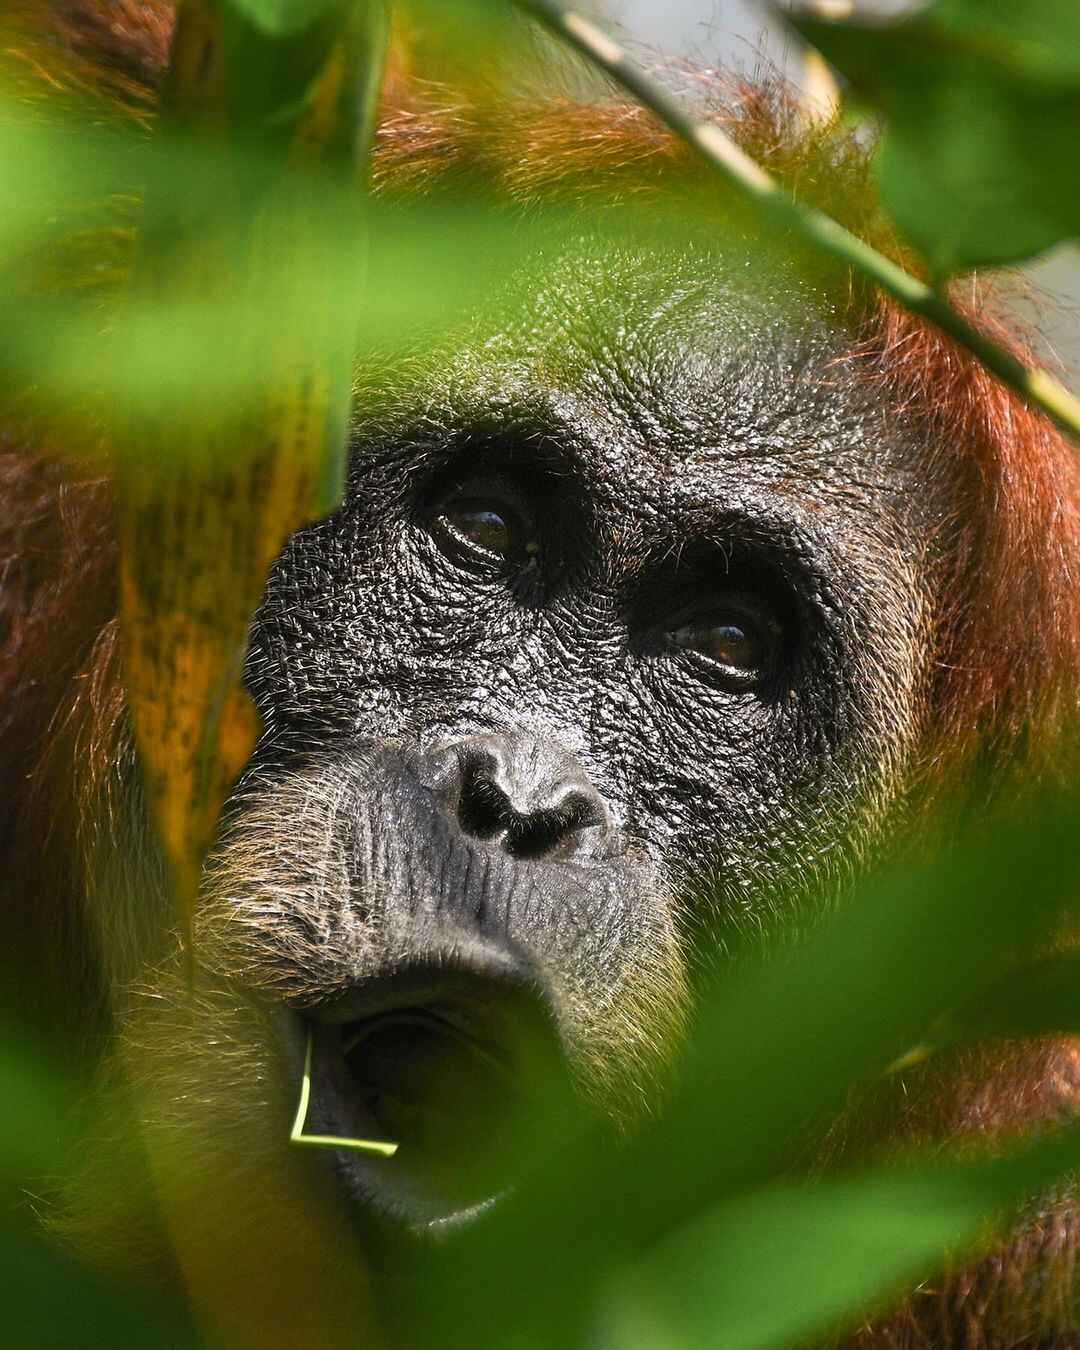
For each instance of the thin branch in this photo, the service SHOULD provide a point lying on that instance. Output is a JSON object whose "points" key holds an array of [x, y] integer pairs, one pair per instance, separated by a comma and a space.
{"points": [[381, 1148], [1038, 386]]}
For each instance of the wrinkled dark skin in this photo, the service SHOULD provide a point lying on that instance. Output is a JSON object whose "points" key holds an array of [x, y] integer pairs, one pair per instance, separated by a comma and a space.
{"points": [[671, 448]]}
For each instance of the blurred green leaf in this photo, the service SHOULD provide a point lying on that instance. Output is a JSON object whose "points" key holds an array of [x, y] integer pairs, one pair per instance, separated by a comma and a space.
{"points": [[403, 281], [53, 1303], [478, 46], [1041, 37], [978, 164], [282, 18], [779, 1047], [50, 1299], [205, 504], [773, 1269], [431, 272], [1039, 999], [37, 1120]]}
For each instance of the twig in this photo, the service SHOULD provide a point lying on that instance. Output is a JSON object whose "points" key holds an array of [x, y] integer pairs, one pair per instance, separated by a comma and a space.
{"points": [[381, 1148], [721, 152]]}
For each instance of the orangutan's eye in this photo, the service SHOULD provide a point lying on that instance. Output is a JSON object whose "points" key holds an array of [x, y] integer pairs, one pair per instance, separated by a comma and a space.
{"points": [[478, 526], [483, 530], [741, 646]]}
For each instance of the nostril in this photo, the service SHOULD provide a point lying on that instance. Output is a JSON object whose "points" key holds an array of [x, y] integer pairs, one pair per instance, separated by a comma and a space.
{"points": [[553, 830], [525, 795], [484, 809]]}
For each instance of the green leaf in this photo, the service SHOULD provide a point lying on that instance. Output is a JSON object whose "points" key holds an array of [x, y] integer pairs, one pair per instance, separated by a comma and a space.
{"points": [[190, 579], [1040, 999], [777, 1267], [39, 1115], [978, 162], [480, 46], [282, 18], [777, 1050], [1038, 36], [50, 1300]]}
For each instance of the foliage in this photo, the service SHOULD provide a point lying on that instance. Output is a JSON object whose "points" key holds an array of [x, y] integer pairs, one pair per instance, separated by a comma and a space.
{"points": [[185, 625], [749, 178], [978, 162], [701, 1217], [704, 1228]]}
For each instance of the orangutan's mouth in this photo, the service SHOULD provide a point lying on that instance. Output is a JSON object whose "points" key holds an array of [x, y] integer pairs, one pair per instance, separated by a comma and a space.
{"points": [[458, 1070]]}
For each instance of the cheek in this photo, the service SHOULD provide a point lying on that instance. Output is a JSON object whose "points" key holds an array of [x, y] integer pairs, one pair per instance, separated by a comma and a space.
{"points": [[729, 797], [371, 636], [696, 764], [747, 781]]}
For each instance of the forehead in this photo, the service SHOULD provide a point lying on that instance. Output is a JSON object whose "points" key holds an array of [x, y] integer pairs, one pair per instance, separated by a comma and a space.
{"points": [[680, 381]]}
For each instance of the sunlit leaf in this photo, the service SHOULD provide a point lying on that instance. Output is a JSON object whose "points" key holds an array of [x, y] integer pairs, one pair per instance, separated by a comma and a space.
{"points": [[206, 500], [478, 46], [978, 164]]}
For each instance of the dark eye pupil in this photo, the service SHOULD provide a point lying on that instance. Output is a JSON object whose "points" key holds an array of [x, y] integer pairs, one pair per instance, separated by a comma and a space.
{"points": [[728, 644], [481, 527]]}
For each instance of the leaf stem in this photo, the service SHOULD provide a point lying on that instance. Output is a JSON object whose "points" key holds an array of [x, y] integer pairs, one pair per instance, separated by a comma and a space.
{"points": [[297, 1136], [1038, 386]]}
